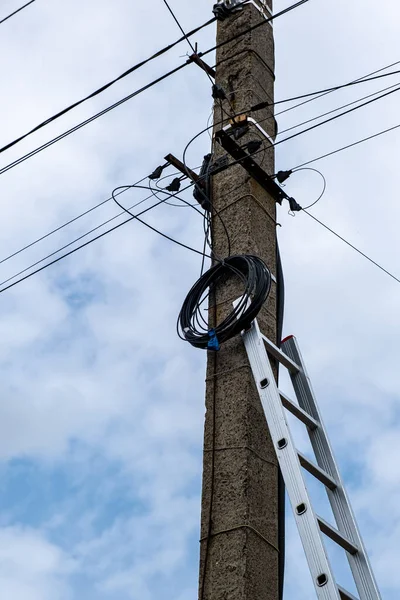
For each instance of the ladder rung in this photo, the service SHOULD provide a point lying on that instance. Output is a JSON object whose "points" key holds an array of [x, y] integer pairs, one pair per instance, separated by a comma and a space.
{"points": [[280, 356], [345, 595], [318, 473], [298, 412], [337, 537]]}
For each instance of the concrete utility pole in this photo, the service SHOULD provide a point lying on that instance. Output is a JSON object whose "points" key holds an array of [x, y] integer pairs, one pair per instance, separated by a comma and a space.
{"points": [[239, 546]]}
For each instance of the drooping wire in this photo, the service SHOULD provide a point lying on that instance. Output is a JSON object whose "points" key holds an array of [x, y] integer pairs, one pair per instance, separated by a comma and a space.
{"points": [[17, 11], [46, 145], [324, 185]]}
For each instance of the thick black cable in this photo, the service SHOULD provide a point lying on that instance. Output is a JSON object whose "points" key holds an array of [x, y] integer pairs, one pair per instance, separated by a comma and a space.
{"points": [[353, 247], [105, 86], [116, 104], [280, 311], [256, 279], [17, 11], [90, 120]]}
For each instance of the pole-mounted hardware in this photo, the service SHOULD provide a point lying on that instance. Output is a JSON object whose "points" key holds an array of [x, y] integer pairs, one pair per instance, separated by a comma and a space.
{"points": [[224, 8]]}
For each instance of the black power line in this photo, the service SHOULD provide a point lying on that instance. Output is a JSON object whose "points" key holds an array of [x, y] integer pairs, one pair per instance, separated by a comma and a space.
{"points": [[56, 139], [126, 98], [132, 217], [366, 139], [299, 133], [330, 112], [186, 36], [16, 11], [353, 247], [106, 86]]}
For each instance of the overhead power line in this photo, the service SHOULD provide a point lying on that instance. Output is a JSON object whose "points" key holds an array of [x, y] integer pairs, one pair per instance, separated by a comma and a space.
{"points": [[17, 11], [60, 227], [58, 138], [106, 86], [84, 245], [333, 89], [366, 139], [353, 247], [125, 99], [330, 112], [186, 36]]}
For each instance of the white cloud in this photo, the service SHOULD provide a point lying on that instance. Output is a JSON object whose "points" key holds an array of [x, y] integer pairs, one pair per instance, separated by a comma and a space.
{"points": [[90, 364]]}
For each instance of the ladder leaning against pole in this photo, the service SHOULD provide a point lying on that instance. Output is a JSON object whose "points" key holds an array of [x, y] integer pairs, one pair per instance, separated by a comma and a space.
{"points": [[325, 470]]}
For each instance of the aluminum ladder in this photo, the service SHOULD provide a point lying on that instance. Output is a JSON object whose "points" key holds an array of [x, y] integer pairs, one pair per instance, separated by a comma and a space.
{"points": [[311, 527]]}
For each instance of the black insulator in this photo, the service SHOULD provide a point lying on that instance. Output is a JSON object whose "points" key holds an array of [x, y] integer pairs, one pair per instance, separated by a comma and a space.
{"points": [[174, 186]]}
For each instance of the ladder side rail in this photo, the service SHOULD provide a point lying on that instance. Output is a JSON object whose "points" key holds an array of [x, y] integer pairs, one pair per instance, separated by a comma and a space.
{"points": [[306, 521], [340, 503]]}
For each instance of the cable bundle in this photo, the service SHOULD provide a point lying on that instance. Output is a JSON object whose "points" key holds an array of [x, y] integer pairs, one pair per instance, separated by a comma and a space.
{"points": [[256, 278]]}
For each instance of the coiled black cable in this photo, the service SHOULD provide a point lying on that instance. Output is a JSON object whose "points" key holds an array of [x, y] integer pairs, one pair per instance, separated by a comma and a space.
{"points": [[256, 279]]}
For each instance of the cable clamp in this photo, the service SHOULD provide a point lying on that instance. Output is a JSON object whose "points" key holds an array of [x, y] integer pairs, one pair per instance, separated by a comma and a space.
{"points": [[213, 343], [294, 207], [224, 8]]}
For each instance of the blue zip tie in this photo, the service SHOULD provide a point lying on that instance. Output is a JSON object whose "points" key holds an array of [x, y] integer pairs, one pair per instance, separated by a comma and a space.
{"points": [[213, 343]]}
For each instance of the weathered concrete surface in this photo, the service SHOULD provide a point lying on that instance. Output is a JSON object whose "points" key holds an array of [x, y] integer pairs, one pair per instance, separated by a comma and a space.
{"points": [[242, 557]]}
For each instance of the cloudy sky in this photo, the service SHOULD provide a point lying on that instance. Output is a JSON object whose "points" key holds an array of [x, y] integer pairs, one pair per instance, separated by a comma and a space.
{"points": [[102, 407]]}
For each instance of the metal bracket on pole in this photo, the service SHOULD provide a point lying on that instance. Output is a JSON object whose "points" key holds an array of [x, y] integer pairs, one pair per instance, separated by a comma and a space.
{"points": [[249, 164]]}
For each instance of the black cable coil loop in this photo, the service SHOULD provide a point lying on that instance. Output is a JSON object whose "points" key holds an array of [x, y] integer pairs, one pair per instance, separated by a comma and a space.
{"points": [[256, 278]]}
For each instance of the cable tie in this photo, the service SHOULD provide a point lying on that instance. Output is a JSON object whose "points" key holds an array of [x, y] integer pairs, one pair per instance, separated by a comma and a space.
{"points": [[213, 343]]}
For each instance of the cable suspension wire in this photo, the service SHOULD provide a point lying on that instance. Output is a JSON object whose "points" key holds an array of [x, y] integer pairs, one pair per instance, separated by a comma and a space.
{"points": [[46, 145], [390, 87], [331, 91], [353, 247], [106, 86], [122, 101], [16, 11], [335, 88], [131, 218], [366, 139], [60, 227]]}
